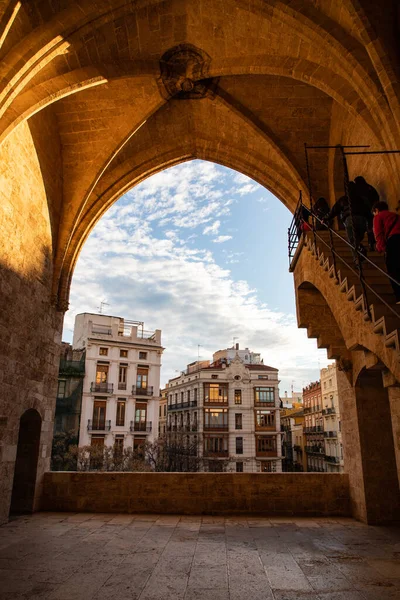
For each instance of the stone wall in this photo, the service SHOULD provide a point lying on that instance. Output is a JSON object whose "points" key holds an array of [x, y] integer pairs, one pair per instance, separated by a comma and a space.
{"points": [[199, 493], [29, 326]]}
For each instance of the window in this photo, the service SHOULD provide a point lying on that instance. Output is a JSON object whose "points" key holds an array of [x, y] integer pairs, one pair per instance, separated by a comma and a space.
{"points": [[142, 355], [188, 395], [216, 393], [96, 455], [214, 376], [120, 419], [99, 415], [122, 377], [264, 395], [142, 378], [265, 418], [263, 377], [215, 418], [123, 353], [101, 373], [266, 467], [216, 445], [239, 467], [195, 395], [239, 445], [266, 445], [182, 397], [176, 398], [62, 384], [103, 351], [118, 447], [238, 396], [165, 410], [238, 421]]}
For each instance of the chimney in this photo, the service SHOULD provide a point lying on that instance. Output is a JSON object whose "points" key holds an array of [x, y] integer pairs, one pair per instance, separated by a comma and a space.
{"points": [[237, 346]]}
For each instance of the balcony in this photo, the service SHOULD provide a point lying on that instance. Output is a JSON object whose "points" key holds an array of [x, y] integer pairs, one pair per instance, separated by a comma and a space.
{"points": [[194, 427], [216, 426], [102, 388], [269, 428], [141, 426], [329, 411], [297, 448], [121, 386], [330, 434], [216, 453], [266, 453], [98, 425], [269, 404], [142, 391], [332, 459], [314, 450]]}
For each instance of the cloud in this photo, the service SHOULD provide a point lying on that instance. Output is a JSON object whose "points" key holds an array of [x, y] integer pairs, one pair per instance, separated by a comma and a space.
{"points": [[164, 275], [222, 238], [212, 229]]}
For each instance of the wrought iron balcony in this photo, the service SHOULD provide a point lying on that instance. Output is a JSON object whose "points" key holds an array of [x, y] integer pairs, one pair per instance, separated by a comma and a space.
{"points": [[121, 386], [141, 426], [332, 459], [142, 391], [98, 425], [216, 426], [330, 434], [102, 388], [329, 411], [216, 453]]}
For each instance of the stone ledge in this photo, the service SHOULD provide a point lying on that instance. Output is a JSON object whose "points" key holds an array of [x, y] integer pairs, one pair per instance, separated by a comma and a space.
{"points": [[302, 494]]}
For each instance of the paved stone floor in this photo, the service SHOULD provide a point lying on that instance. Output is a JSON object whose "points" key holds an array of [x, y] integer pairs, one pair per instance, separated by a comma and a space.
{"points": [[67, 556]]}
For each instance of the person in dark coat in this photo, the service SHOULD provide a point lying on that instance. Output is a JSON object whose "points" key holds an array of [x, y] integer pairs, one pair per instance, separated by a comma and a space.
{"points": [[320, 210], [370, 197], [355, 225], [387, 234]]}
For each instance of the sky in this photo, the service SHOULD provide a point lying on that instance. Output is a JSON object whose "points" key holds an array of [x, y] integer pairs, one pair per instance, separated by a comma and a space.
{"points": [[200, 252]]}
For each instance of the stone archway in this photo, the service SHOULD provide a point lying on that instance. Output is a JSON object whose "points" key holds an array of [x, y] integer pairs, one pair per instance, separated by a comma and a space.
{"points": [[96, 95], [26, 464]]}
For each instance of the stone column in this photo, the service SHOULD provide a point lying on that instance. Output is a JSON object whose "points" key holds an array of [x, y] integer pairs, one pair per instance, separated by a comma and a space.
{"points": [[368, 448]]}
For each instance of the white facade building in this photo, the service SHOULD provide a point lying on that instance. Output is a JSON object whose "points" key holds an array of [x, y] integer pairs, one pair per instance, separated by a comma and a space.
{"points": [[248, 357], [231, 410], [332, 423], [121, 387]]}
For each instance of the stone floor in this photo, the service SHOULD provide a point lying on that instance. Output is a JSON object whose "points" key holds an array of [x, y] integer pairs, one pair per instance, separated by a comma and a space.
{"points": [[67, 556]]}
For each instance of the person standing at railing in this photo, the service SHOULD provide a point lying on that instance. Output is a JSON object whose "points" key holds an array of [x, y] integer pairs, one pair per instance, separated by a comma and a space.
{"points": [[354, 220], [387, 234], [370, 196]]}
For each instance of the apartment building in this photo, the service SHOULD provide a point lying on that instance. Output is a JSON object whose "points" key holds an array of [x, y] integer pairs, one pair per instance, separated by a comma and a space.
{"points": [[314, 427], [69, 390], [293, 440], [229, 410], [162, 413], [121, 387], [331, 420]]}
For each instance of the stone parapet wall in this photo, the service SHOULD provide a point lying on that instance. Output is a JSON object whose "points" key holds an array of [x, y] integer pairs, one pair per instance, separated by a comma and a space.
{"points": [[303, 494]]}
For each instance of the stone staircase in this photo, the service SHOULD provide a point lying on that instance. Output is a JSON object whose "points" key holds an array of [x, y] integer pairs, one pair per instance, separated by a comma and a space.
{"points": [[384, 321]]}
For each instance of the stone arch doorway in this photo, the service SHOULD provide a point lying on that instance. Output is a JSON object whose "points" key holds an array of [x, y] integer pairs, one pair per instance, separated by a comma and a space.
{"points": [[26, 464]]}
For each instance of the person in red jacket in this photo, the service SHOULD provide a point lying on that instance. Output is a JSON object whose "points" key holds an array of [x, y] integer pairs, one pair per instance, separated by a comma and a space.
{"points": [[387, 235]]}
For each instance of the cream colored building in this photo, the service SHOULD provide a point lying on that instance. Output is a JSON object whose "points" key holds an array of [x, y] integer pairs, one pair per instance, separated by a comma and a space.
{"points": [[231, 410], [121, 388], [162, 413], [332, 422]]}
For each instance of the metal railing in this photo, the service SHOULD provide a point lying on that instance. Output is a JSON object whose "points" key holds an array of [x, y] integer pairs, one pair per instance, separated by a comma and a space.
{"points": [[357, 271], [216, 426], [99, 425], [332, 459], [142, 391], [102, 388], [328, 411], [141, 426]]}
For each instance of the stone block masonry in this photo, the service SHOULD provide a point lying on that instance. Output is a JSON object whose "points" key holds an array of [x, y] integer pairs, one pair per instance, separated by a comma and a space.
{"points": [[302, 494]]}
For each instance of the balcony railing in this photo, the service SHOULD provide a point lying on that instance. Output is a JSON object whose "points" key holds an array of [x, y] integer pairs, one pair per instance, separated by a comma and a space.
{"points": [[266, 453], [98, 425], [315, 450], [330, 434], [121, 386], [142, 391], [102, 388], [329, 411], [216, 453], [182, 405], [216, 426], [332, 459], [266, 404], [297, 448], [141, 426]]}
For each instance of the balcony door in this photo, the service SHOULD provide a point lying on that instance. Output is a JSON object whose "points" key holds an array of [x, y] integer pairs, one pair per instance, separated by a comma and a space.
{"points": [[99, 414], [142, 378], [102, 373], [140, 417]]}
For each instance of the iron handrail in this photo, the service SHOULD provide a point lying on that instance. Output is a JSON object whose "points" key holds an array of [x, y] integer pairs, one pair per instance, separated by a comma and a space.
{"points": [[357, 274]]}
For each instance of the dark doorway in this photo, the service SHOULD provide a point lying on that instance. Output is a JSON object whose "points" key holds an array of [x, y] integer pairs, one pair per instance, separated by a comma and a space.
{"points": [[26, 463]]}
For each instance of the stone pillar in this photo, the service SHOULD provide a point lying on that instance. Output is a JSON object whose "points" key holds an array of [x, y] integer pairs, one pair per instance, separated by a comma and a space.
{"points": [[368, 448], [394, 399]]}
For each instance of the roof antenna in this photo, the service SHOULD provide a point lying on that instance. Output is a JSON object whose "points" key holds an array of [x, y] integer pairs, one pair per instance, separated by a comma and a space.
{"points": [[102, 303]]}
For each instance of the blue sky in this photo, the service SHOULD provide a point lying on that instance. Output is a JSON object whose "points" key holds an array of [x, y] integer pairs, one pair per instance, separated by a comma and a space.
{"points": [[200, 252]]}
